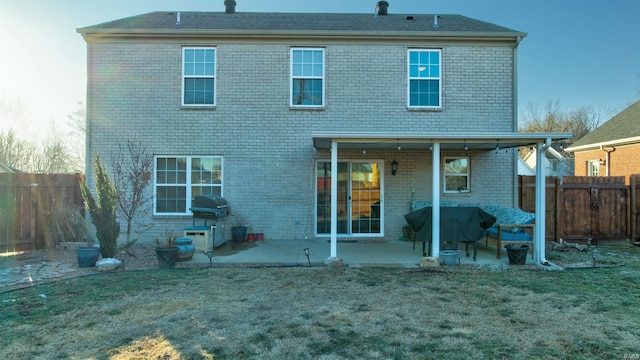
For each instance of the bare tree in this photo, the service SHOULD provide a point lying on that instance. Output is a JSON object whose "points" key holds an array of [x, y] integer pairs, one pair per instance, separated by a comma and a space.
{"points": [[552, 118], [76, 140], [133, 170], [584, 120], [15, 116], [53, 158], [16, 152]]}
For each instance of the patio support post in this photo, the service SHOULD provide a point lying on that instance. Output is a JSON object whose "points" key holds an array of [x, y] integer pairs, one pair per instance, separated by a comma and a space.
{"points": [[435, 214], [334, 199], [540, 226]]}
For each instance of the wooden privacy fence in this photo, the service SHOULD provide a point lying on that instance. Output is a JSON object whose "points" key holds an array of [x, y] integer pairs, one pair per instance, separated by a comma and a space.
{"points": [[581, 208], [26, 202]]}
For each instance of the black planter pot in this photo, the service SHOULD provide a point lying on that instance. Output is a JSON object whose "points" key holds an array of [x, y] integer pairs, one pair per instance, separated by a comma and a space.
{"points": [[167, 257], [517, 256], [239, 234], [87, 256]]}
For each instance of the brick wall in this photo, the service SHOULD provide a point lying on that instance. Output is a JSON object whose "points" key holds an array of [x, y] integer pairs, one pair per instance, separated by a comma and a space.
{"points": [[269, 159], [624, 161]]}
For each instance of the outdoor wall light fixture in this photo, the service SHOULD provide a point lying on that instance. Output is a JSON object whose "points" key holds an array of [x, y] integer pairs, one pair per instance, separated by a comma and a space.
{"points": [[399, 147], [394, 167], [364, 149], [465, 145]]}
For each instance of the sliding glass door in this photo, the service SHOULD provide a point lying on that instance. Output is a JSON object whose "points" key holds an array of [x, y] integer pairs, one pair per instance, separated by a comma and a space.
{"points": [[359, 197]]}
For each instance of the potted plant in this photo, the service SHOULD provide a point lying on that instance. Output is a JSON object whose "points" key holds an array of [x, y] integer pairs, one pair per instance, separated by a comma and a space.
{"points": [[102, 210], [166, 249], [238, 228], [88, 255]]}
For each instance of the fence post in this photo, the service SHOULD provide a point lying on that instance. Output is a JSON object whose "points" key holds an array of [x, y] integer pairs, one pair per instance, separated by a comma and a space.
{"points": [[34, 214], [558, 213]]}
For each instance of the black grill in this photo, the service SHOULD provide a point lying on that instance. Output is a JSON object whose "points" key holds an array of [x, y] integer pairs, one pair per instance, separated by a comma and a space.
{"points": [[209, 207]]}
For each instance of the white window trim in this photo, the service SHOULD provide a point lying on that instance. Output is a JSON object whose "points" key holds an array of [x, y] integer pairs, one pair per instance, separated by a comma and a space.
{"points": [[409, 78], [590, 164], [188, 182], [445, 175], [291, 78], [214, 76]]}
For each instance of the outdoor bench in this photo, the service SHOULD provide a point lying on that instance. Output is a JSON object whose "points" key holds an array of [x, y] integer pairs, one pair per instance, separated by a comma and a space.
{"points": [[513, 226]]}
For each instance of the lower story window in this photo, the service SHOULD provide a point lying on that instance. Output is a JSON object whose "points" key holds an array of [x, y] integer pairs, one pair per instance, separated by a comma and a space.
{"points": [[456, 174], [179, 179], [593, 168], [359, 197]]}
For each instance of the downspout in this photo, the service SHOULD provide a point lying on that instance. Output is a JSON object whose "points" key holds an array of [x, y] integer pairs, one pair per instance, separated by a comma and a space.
{"points": [[540, 225], [607, 160], [515, 119]]}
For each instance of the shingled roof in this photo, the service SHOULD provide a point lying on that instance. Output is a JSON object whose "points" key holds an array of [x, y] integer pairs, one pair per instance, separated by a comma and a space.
{"points": [[620, 129], [162, 22]]}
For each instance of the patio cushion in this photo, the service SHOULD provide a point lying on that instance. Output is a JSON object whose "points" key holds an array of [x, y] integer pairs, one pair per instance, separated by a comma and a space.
{"points": [[505, 215], [508, 236]]}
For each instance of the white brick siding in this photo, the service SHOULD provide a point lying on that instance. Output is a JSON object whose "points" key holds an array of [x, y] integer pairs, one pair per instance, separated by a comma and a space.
{"points": [[269, 160]]}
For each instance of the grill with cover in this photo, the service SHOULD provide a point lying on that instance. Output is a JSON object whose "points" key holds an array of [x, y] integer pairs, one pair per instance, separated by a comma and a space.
{"points": [[209, 207]]}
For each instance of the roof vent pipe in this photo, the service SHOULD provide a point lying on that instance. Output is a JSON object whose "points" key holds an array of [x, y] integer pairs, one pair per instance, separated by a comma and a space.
{"points": [[435, 22], [178, 18], [230, 6], [381, 7]]}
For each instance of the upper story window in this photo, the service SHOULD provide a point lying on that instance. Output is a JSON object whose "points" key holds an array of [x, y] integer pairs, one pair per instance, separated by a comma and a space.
{"points": [[198, 76], [456, 174], [307, 77], [179, 179], [425, 79]]}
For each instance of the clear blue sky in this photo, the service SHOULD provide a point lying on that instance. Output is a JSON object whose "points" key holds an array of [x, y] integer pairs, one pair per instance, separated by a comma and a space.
{"points": [[578, 52]]}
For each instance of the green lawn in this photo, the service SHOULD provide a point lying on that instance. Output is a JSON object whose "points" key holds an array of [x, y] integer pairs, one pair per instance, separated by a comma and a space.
{"points": [[330, 313]]}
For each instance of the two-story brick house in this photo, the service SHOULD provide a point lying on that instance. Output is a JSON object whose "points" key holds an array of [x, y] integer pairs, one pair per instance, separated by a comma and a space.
{"points": [[273, 110]]}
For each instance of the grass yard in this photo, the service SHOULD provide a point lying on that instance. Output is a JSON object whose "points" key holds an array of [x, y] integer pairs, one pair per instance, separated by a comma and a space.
{"points": [[329, 313]]}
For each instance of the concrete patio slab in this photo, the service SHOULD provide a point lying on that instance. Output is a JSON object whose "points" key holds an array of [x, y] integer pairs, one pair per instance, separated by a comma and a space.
{"points": [[353, 254]]}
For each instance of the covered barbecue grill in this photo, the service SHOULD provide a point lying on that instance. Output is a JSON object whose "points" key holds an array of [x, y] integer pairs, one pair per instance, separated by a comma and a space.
{"points": [[209, 207]]}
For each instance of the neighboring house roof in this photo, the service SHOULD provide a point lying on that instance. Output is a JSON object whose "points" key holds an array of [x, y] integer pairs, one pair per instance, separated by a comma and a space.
{"points": [[337, 24], [558, 163], [550, 153], [524, 168], [621, 129], [4, 168]]}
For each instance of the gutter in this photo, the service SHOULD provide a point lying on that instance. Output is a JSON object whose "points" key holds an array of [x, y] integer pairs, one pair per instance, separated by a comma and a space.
{"points": [[599, 145], [120, 33]]}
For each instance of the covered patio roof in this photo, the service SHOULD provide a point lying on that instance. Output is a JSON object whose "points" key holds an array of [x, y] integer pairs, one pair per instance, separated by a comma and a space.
{"points": [[434, 143], [447, 141]]}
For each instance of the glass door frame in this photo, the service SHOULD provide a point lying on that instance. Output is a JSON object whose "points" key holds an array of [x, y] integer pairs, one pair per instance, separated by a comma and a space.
{"points": [[349, 203]]}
